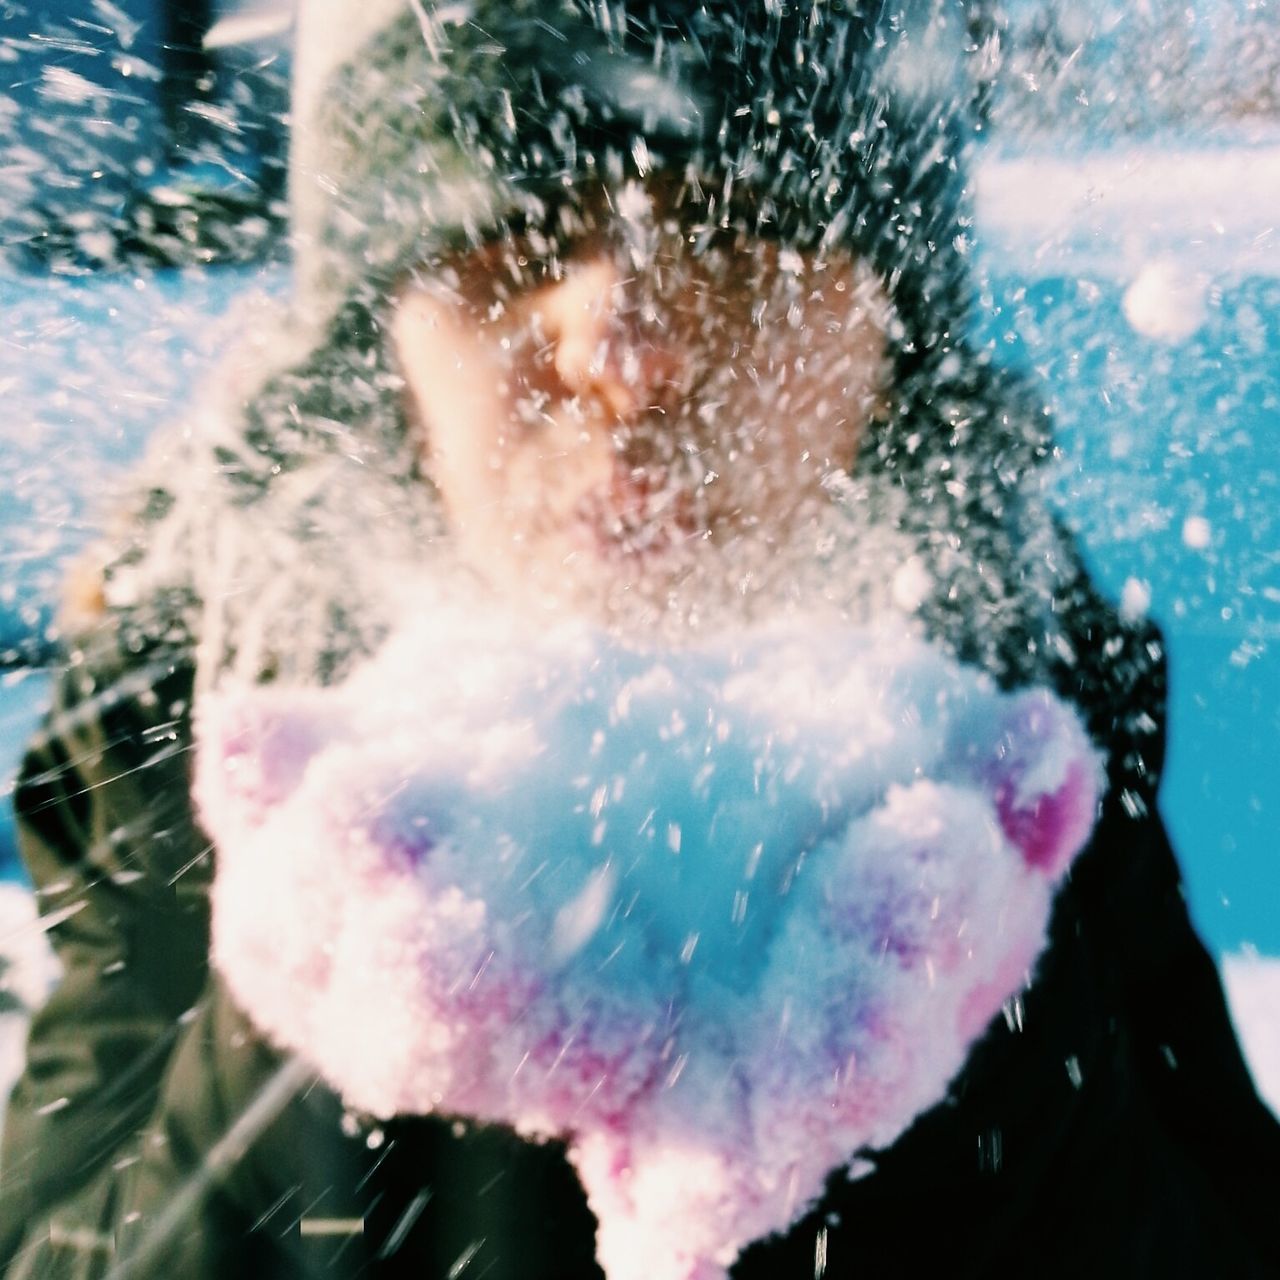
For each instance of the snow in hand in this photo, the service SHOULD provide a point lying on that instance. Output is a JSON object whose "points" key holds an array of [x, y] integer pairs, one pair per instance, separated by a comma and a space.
{"points": [[719, 916]]}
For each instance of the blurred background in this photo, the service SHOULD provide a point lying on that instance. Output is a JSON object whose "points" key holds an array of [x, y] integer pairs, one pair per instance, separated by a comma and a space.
{"points": [[1127, 191]]}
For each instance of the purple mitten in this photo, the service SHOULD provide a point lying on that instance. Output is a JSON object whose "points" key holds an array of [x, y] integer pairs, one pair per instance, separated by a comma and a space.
{"points": [[718, 917]]}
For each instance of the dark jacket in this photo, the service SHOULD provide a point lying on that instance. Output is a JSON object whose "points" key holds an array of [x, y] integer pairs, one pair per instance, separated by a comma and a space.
{"points": [[1105, 1125]]}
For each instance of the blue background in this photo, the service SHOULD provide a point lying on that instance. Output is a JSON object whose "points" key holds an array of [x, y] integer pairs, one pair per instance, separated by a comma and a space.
{"points": [[1153, 433]]}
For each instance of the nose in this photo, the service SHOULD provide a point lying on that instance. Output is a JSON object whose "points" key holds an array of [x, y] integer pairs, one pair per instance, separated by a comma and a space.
{"points": [[603, 348]]}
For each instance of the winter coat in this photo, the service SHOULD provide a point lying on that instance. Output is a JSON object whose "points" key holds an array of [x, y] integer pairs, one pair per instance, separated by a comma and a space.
{"points": [[1106, 1121]]}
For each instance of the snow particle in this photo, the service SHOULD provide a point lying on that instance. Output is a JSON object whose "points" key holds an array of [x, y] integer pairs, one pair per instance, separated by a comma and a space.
{"points": [[1166, 302], [790, 262], [911, 585], [464, 1259], [577, 922], [1196, 533], [1135, 599]]}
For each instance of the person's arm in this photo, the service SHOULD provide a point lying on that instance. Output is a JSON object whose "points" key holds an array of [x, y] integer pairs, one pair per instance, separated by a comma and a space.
{"points": [[152, 1127], [1190, 1073], [1191, 1053], [120, 870], [1193, 1075]]}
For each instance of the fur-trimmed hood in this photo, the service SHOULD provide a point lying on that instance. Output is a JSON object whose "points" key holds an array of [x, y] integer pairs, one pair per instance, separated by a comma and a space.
{"points": [[274, 528]]}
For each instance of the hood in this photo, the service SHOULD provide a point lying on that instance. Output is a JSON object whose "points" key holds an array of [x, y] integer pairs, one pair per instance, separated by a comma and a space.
{"points": [[421, 126], [275, 526]]}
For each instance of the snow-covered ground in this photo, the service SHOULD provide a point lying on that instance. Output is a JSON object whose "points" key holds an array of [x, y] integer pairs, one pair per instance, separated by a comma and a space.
{"points": [[1253, 988], [1207, 208]]}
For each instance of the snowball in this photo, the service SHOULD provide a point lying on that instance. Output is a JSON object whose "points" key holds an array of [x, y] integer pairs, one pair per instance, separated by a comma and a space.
{"points": [[1167, 301]]}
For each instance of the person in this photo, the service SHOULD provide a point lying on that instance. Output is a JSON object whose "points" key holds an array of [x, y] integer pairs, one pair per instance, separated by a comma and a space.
{"points": [[658, 320]]}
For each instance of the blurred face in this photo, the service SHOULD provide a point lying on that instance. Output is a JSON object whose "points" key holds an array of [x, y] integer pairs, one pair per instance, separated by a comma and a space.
{"points": [[605, 421]]}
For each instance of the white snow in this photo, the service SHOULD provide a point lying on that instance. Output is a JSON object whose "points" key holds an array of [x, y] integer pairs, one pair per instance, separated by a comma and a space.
{"points": [[1253, 990], [911, 585], [1122, 215], [1115, 211], [1135, 598], [1167, 301], [683, 907], [250, 23], [1197, 533]]}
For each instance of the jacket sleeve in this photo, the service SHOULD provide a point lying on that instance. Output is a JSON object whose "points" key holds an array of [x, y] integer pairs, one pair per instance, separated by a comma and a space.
{"points": [[152, 1127], [1189, 1071], [1186, 1056], [121, 874]]}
